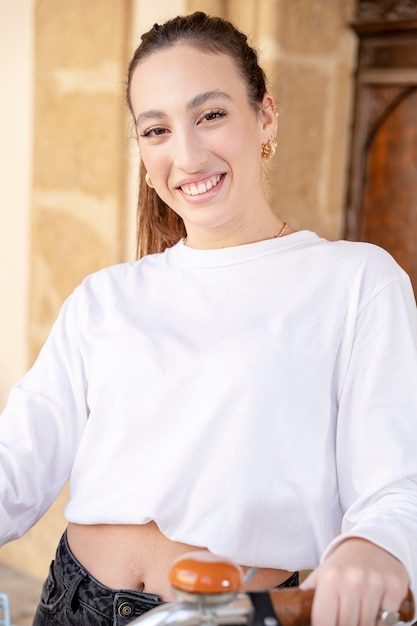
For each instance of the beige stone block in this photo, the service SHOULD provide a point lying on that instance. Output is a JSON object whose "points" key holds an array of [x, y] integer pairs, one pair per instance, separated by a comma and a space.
{"points": [[79, 34], [212, 7], [268, 18], [66, 250], [79, 141], [311, 26], [244, 16], [34, 552], [338, 147], [349, 10], [295, 175]]}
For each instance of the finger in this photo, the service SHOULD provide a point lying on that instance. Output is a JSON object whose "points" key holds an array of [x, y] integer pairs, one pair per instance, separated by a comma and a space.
{"points": [[389, 618], [369, 609], [390, 602], [324, 611], [349, 610]]}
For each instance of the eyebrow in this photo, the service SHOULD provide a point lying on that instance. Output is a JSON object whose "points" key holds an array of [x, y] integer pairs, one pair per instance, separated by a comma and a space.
{"points": [[202, 98], [197, 101]]}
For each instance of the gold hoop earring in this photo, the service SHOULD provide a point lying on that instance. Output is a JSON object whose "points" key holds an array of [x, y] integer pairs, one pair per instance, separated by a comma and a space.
{"points": [[148, 180], [268, 149]]}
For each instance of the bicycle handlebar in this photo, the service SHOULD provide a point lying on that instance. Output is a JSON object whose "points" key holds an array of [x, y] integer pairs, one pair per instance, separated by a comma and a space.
{"points": [[208, 590], [293, 606]]}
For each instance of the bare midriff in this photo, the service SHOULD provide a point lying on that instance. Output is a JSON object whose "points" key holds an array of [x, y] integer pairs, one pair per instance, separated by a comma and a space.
{"points": [[140, 557]]}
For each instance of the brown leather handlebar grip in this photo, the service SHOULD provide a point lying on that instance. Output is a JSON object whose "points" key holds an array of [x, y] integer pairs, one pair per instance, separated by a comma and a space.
{"points": [[293, 606]]}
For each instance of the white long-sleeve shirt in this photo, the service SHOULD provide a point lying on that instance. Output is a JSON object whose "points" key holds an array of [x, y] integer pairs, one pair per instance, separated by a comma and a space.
{"points": [[258, 400]]}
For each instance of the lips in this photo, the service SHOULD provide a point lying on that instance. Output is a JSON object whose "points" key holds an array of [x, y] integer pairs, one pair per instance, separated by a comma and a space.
{"points": [[198, 188]]}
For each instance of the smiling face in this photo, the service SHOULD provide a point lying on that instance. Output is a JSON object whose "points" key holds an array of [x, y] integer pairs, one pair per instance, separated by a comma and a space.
{"points": [[200, 138]]}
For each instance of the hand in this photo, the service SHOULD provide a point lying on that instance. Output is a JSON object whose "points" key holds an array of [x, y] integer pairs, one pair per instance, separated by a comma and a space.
{"points": [[354, 582]]}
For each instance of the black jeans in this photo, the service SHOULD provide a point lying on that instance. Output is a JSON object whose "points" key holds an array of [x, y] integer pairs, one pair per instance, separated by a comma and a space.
{"points": [[72, 597]]}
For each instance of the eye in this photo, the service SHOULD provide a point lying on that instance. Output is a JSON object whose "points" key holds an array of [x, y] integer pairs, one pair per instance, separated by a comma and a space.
{"points": [[157, 131], [213, 115]]}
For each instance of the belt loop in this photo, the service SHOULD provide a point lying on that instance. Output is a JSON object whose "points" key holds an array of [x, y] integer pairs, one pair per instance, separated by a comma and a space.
{"points": [[78, 578]]}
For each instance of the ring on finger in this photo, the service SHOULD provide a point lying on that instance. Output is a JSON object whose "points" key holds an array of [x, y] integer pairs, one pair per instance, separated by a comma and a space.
{"points": [[389, 617]]}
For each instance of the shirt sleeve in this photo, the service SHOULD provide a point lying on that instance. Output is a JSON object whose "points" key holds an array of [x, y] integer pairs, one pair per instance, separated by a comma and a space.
{"points": [[42, 423], [377, 427]]}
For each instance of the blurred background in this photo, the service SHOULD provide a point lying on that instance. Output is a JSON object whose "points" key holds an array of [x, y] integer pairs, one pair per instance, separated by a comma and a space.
{"points": [[343, 73]]}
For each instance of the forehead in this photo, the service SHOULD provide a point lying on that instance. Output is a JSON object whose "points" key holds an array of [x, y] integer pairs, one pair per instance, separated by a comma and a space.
{"points": [[176, 74]]}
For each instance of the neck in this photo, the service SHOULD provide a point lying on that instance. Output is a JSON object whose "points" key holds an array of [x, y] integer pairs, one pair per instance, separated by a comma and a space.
{"points": [[274, 230]]}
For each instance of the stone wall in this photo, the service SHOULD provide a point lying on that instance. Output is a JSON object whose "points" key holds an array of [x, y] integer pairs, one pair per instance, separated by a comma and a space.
{"points": [[79, 151], [312, 54], [85, 165], [16, 70], [78, 181]]}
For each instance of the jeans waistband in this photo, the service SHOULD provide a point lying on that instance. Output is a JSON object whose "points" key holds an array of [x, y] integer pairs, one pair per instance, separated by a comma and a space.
{"points": [[124, 605]]}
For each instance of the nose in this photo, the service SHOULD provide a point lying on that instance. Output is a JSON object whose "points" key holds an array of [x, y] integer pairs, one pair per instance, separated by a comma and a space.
{"points": [[190, 153]]}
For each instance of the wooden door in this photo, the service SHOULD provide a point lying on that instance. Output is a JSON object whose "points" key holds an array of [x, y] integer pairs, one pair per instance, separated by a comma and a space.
{"points": [[382, 200]]}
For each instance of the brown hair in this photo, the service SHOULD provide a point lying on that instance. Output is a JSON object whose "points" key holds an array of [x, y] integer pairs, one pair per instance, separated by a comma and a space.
{"points": [[158, 226]]}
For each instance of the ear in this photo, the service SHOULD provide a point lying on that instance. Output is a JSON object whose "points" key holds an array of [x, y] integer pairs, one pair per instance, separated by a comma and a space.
{"points": [[268, 117]]}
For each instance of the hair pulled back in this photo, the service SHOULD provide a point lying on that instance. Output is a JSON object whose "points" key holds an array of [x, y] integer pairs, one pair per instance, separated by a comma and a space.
{"points": [[158, 226]]}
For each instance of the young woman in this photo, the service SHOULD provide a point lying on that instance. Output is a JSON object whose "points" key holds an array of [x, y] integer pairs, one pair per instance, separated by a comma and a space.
{"points": [[242, 388]]}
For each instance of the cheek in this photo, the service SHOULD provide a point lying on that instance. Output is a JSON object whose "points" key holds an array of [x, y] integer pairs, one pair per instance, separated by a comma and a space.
{"points": [[243, 142], [229, 148], [158, 166], [154, 161]]}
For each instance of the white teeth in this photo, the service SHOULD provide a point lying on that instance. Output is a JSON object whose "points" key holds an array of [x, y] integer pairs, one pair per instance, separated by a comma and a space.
{"points": [[195, 190]]}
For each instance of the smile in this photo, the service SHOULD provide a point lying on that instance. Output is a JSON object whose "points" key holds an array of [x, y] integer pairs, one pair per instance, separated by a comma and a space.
{"points": [[196, 189]]}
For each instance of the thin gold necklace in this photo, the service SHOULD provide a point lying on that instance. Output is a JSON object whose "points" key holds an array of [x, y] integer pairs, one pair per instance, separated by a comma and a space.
{"points": [[279, 234], [282, 231]]}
